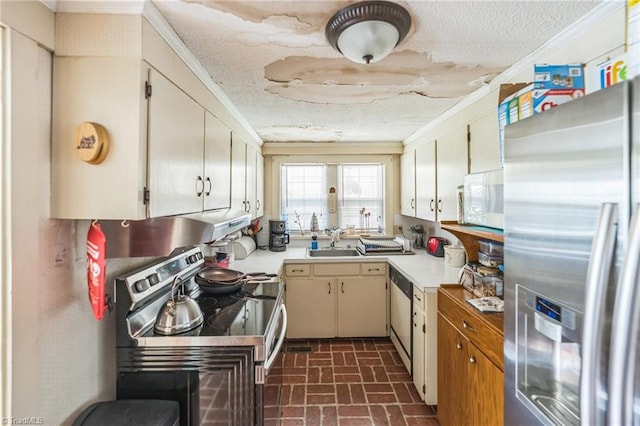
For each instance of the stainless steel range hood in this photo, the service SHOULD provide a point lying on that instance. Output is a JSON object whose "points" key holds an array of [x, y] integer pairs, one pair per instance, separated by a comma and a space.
{"points": [[160, 236]]}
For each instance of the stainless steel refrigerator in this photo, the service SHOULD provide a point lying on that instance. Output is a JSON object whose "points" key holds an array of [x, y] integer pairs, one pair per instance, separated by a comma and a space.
{"points": [[572, 250]]}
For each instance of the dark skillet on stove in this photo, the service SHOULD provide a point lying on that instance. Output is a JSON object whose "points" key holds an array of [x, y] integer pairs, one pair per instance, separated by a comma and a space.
{"points": [[223, 281]]}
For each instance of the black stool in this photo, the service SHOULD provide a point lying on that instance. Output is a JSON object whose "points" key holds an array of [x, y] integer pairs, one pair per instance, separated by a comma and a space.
{"points": [[130, 412]]}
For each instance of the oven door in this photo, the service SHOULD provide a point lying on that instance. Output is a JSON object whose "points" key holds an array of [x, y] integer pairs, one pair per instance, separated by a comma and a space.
{"points": [[269, 375]]}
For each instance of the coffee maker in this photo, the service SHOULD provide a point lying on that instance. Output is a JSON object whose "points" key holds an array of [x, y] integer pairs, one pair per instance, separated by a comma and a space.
{"points": [[278, 236]]}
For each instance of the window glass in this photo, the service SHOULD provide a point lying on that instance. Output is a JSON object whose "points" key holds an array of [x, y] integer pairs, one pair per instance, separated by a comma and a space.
{"points": [[362, 197], [303, 193]]}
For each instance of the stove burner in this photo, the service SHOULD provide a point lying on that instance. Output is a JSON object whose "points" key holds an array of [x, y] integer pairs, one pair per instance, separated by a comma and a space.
{"points": [[207, 303]]}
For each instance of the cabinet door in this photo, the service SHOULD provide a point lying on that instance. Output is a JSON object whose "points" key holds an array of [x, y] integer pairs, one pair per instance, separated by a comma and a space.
{"points": [[311, 307], [484, 150], [426, 181], [452, 375], [431, 348], [408, 184], [238, 173], [451, 167], [176, 138], [251, 174], [418, 349], [217, 164], [362, 306], [259, 185], [485, 384]]}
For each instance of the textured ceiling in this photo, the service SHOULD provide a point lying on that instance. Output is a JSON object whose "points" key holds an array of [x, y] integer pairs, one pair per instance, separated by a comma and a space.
{"points": [[272, 60]]}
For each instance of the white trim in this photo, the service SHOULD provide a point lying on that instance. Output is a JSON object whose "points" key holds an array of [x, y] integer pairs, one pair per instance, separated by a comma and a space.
{"points": [[117, 7], [596, 15], [157, 21]]}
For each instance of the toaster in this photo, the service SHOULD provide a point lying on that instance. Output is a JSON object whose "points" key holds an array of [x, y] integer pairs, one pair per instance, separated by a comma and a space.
{"points": [[435, 246]]}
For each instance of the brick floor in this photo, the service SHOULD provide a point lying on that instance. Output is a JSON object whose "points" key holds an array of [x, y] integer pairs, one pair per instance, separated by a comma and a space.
{"points": [[344, 382]]}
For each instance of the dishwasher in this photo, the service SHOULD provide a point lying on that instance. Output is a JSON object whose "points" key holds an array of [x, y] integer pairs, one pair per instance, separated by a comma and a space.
{"points": [[401, 330]]}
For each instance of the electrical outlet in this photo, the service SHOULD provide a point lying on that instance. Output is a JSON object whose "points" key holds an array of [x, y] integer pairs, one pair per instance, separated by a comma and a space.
{"points": [[397, 229]]}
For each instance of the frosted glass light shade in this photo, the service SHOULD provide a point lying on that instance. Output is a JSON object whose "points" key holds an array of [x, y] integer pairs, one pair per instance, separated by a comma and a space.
{"points": [[368, 41], [368, 31]]}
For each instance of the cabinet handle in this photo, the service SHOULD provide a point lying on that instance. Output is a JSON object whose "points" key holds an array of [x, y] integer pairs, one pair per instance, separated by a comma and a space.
{"points": [[373, 269], [208, 192], [258, 204], [467, 326], [244, 206], [431, 204], [199, 186], [439, 206], [248, 206], [342, 287], [329, 284], [297, 270], [472, 359], [413, 203], [459, 346]]}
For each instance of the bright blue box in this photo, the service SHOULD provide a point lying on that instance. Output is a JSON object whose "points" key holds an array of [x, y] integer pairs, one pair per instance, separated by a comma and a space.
{"points": [[558, 76]]}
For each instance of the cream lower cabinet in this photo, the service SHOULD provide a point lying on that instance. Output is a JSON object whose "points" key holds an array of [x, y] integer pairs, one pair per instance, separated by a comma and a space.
{"points": [[362, 304], [425, 345], [419, 329], [311, 307], [336, 300]]}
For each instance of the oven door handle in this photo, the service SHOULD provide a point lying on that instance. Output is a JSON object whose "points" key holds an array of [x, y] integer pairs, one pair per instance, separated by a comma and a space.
{"points": [[283, 331]]}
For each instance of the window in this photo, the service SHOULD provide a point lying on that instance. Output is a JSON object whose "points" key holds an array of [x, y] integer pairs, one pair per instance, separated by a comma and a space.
{"points": [[360, 196], [303, 193]]}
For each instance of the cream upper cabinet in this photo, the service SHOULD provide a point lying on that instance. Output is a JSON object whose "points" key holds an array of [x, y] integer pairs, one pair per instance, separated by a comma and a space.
{"points": [[426, 200], [451, 167], [217, 164], [247, 174], [166, 152], [484, 151], [311, 307], [238, 173], [408, 183], [109, 91], [250, 176], [362, 304], [176, 136], [259, 204]]}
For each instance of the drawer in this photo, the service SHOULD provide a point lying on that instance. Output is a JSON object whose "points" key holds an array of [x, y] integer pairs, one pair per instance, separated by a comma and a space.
{"points": [[473, 326], [374, 268], [418, 298], [336, 269], [297, 270]]}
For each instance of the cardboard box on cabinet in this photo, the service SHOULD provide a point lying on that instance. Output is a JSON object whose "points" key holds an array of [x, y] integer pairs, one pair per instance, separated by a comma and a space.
{"points": [[607, 73], [508, 109], [554, 85]]}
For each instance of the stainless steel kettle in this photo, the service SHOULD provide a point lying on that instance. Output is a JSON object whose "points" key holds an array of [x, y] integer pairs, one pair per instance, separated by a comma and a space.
{"points": [[180, 314]]}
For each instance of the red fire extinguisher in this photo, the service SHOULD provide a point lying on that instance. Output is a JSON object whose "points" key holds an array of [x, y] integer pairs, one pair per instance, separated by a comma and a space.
{"points": [[96, 269]]}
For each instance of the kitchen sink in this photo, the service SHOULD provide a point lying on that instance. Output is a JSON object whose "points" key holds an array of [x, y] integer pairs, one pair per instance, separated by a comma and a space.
{"points": [[333, 252]]}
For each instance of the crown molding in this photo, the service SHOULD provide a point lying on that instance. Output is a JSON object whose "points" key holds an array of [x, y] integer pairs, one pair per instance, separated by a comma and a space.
{"points": [[596, 15], [157, 21], [114, 7]]}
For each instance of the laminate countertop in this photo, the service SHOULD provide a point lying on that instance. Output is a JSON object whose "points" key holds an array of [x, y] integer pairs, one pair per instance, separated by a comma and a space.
{"points": [[423, 270]]}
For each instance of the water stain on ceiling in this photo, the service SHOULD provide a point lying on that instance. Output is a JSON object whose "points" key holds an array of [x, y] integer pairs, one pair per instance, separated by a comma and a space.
{"points": [[334, 81], [272, 60]]}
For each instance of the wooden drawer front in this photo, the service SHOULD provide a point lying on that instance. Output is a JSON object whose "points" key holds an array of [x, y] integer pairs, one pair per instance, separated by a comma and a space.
{"points": [[374, 269], [336, 269], [473, 327], [297, 270]]}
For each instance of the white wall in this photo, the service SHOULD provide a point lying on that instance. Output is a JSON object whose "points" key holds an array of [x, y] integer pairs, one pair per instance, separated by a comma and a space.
{"points": [[61, 357]]}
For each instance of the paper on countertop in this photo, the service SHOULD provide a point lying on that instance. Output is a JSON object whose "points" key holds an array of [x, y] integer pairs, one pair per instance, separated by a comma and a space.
{"points": [[488, 304]]}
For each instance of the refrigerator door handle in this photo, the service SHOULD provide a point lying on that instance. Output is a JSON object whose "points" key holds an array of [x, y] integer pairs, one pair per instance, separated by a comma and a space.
{"points": [[626, 314], [600, 260]]}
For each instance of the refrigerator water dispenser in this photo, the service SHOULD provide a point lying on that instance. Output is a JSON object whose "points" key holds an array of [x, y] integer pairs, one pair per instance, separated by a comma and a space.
{"points": [[548, 357]]}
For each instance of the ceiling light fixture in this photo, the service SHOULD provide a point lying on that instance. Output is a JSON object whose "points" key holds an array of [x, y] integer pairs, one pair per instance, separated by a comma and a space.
{"points": [[368, 31]]}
